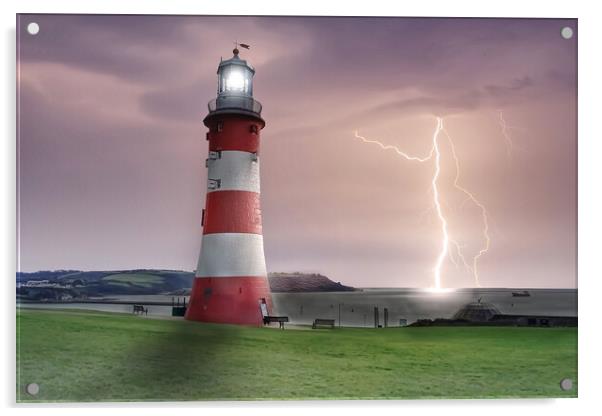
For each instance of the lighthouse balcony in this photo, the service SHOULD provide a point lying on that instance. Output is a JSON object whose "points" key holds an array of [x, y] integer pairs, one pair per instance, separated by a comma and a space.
{"points": [[235, 104]]}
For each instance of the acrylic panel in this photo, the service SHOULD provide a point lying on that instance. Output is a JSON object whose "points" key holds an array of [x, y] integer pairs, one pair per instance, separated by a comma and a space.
{"points": [[277, 208]]}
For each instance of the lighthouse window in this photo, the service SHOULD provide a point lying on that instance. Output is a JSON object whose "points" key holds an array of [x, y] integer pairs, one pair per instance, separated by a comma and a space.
{"points": [[213, 183], [213, 155], [235, 80], [220, 126], [253, 129]]}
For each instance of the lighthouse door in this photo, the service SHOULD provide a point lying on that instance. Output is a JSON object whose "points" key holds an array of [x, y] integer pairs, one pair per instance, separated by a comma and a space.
{"points": [[264, 307]]}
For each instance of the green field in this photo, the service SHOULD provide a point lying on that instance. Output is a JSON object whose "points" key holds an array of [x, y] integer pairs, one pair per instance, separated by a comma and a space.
{"points": [[93, 356], [135, 279]]}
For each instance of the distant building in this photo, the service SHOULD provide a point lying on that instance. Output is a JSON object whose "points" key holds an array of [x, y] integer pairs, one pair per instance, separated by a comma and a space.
{"points": [[483, 313], [477, 312], [39, 283]]}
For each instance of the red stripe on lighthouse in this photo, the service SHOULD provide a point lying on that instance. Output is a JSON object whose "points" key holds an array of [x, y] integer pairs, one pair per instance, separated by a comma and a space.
{"points": [[235, 134], [232, 300], [232, 212]]}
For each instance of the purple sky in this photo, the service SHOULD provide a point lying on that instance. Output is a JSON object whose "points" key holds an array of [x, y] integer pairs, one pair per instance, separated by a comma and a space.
{"points": [[112, 147]]}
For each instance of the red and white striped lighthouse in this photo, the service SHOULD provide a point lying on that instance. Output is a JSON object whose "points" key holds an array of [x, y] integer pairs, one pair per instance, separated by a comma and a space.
{"points": [[231, 284]]}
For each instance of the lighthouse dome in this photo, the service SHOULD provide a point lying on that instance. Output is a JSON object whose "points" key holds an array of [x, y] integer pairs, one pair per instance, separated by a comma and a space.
{"points": [[235, 60], [235, 90]]}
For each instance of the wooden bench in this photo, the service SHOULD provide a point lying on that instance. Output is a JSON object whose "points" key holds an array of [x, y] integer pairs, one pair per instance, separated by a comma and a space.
{"points": [[280, 319], [323, 322], [141, 309]]}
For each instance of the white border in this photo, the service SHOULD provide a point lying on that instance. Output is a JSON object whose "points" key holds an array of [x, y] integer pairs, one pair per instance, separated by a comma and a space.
{"points": [[590, 202]]}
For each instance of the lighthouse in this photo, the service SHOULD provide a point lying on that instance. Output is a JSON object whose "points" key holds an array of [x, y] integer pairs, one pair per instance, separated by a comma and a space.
{"points": [[230, 284]]}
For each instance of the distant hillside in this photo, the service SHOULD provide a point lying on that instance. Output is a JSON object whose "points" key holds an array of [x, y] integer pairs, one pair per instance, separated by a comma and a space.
{"points": [[77, 284], [80, 284], [301, 282]]}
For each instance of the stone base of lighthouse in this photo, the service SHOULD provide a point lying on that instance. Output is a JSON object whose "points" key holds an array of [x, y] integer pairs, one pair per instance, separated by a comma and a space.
{"points": [[232, 300]]}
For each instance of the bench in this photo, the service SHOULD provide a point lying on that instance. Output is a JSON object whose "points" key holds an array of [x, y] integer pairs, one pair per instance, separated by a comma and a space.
{"points": [[323, 322], [280, 319], [141, 309]]}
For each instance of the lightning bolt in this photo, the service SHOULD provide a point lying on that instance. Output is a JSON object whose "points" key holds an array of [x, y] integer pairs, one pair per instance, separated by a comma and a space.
{"points": [[460, 255], [506, 130], [435, 153], [506, 134], [396, 149], [434, 186], [445, 243], [484, 215]]}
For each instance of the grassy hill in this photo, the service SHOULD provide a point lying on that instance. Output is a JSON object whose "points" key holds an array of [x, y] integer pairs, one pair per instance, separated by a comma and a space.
{"points": [[145, 280], [149, 281], [106, 283], [303, 282], [93, 356]]}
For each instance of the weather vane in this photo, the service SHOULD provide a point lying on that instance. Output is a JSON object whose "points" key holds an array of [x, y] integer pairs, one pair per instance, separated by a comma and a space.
{"points": [[242, 45]]}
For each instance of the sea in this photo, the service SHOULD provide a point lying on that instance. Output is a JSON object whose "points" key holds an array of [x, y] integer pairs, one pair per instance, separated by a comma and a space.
{"points": [[357, 308]]}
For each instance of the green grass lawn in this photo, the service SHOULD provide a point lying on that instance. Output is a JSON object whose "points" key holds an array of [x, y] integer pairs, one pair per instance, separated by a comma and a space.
{"points": [[93, 356]]}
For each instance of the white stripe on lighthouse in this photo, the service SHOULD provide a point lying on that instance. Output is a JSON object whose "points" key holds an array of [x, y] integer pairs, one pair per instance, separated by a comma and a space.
{"points": [[231, 254], [235, 170]]}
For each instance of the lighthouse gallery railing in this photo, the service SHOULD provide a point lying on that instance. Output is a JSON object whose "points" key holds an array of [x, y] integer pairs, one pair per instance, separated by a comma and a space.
{"points": [[235, 102]]}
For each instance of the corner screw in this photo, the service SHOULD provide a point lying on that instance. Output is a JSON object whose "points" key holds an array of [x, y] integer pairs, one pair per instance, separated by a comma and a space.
{"points": [[32, 389], [566, 384]]}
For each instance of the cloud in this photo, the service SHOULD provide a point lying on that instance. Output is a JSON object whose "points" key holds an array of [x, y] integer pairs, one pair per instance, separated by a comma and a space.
{"points": [[515, 86], [112, 144]]}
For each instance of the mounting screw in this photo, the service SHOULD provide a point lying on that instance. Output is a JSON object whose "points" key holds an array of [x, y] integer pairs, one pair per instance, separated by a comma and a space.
{"points": [[566, 32], [33, 28], [32, 388], [566, 384]]}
